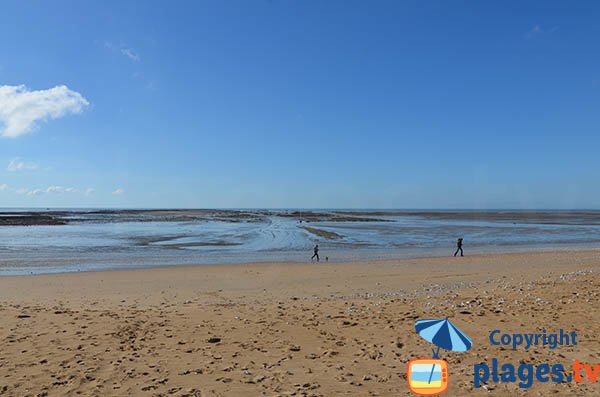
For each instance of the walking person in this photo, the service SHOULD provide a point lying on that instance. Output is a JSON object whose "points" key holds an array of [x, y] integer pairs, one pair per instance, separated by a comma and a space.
{"points": [[316, 254], [459, 243]]}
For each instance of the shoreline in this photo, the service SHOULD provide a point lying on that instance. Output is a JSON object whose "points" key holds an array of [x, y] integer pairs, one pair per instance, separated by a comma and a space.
{"points": [[23, 269], [482, 266]]}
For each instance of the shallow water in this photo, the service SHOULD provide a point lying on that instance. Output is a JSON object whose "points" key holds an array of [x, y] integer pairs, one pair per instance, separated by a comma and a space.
{"points": [[106, 241]]}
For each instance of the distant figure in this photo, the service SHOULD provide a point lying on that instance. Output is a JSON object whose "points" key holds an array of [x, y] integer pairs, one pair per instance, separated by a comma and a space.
{"points": [[459, 247], [316, 254]]}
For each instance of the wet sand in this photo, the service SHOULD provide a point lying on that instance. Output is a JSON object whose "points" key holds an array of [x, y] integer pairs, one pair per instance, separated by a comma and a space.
{"points": [[63, 217], [290, 329], [30, 219]]}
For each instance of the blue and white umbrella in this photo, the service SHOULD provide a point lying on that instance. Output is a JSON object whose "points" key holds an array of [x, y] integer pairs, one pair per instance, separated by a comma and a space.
{"points": [[444, 334]]}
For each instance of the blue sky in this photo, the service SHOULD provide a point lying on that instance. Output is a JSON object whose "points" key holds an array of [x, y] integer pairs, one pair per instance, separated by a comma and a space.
{"points": [[306, 104]]}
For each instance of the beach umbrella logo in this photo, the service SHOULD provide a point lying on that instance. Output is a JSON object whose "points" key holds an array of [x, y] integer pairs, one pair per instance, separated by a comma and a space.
{"points": [[429, 376]]}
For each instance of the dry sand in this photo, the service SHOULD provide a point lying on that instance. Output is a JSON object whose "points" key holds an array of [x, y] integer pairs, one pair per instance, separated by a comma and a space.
{"points": [[289, 329]]}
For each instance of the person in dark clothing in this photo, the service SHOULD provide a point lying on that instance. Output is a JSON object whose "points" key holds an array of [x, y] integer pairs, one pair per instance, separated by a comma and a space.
{"points": [[316, 254], [459, 247]]}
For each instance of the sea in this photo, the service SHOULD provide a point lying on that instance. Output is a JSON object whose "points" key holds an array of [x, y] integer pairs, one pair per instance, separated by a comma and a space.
{"points": [[100, 239]]}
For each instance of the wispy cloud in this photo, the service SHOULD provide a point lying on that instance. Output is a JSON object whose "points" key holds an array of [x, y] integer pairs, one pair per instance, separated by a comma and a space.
{"points": [[148, 83], [119, 191], [16, 165], [538, 30], [34, 192], [131, 54], [124, 50], [53, 189], [21, 109]]}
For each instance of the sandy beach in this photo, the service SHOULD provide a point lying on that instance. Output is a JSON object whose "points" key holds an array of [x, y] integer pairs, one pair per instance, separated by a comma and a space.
{"points": [[301, 329], [273, 198]]}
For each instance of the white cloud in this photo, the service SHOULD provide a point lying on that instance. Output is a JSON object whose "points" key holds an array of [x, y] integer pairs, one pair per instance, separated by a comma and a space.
{"points": [[90, 191], [125, 50], [35, 192], [3, 187], [60, 189], [534, 31], [131, 54], [21, 109], [47, 190], [537, 30], [55, 189], [149, 83], [16, 165], [119, 192]]}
